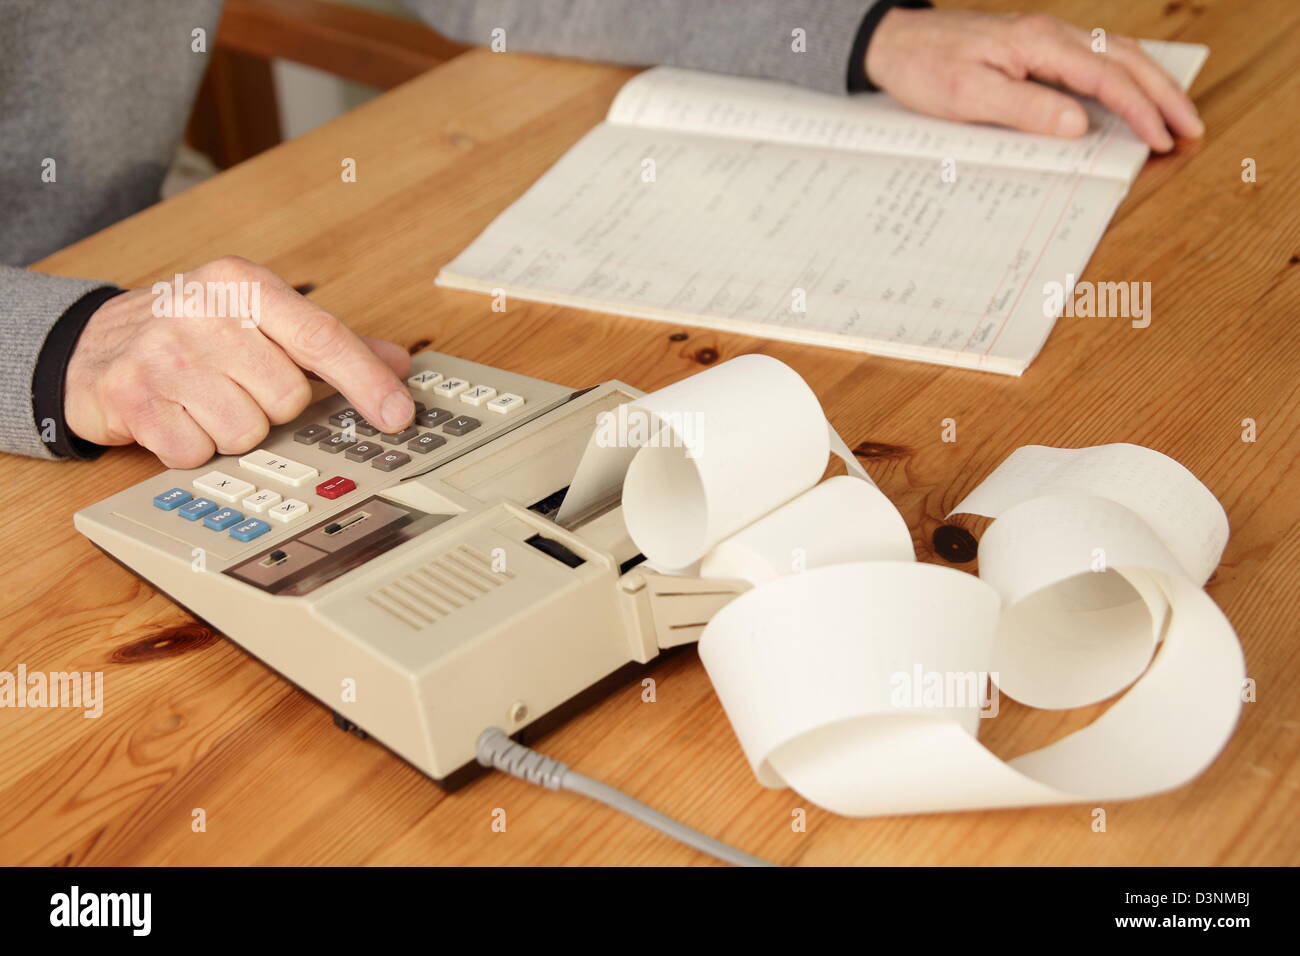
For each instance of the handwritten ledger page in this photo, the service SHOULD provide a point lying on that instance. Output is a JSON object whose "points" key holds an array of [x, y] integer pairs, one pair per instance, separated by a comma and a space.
{"points": [[751, 206]]}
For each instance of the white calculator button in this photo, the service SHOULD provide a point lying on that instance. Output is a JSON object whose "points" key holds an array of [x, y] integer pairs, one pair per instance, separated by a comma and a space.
{"points": [[505, 402], [263, 462], [424, 380], [289, 510], [478, 394], [450, 387], [259, 502], [216, 484]]}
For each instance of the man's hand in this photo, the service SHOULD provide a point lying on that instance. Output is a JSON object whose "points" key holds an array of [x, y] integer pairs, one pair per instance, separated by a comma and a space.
{"points": [[184, 387], [981, 67]]}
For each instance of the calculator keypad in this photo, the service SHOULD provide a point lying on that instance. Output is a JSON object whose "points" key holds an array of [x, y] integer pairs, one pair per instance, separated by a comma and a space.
{"points": [[232, 501]]}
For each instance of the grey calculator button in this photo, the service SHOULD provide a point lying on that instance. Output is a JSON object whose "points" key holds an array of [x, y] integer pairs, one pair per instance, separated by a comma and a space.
{"points": [[363, 451], [460, 425], [339, 418], [426, 443], [396, 438], [335, 444], [310, 434], [363, 427], [432, 417], [390, 460]]}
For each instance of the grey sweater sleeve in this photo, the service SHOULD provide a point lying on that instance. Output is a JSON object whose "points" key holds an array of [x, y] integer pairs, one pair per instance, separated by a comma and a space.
{"points": [[746, 37], [103, 91], [33, 303]]}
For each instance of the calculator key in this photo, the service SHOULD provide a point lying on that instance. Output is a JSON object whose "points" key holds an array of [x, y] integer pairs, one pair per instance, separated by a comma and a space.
{"points": [[477, 395], [310, 434], [196, 509], [352, 428], [390, 460], [336, 487], [250, 529], [396, 438], [223, 519], [424, 381], [270, 465], [363, 451], [344, 414], [419, 407], [336, 443], [171, 500], [426, 443], [261, 500], [221, 486], [450, 387], [505, 402], [433, 417], [460, 425], [289, 510]]}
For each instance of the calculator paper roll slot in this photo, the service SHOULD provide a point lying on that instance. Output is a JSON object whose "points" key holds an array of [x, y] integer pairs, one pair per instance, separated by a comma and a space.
{"points": [[704, 457]]}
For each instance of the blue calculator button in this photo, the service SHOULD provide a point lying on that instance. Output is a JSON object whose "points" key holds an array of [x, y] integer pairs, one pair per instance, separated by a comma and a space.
{"points": [[171, 500], [223, 519], [196, 509], [249, 530]]}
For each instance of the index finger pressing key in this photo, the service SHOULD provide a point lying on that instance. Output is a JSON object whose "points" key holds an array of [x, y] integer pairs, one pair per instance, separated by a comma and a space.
{"points": [[320, 343]]}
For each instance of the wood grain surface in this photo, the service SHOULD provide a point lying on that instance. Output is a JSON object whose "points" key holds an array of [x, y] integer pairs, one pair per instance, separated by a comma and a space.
{"points": [[193, 722]]}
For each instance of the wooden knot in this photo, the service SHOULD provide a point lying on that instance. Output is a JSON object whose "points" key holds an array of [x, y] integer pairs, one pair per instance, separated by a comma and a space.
{"points": [[169, 642], [878, 450], [954, 543]]}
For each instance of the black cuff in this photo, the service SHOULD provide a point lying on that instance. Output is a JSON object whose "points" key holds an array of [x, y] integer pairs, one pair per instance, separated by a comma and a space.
{"points": [[858, 82], [52, 369]]}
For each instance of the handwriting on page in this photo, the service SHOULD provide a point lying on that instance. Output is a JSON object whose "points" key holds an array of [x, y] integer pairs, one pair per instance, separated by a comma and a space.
{"points": [[820, 243]]}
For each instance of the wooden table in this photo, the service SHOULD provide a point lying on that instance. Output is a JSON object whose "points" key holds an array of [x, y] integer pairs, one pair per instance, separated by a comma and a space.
{"points": [[193, 722]]}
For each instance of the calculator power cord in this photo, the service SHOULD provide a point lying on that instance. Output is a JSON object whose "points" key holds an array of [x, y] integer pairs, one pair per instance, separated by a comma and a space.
{"points": [[496, 749]]}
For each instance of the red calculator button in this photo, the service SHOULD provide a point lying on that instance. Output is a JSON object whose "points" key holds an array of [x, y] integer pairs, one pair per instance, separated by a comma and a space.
{"points": [[336, 487]]}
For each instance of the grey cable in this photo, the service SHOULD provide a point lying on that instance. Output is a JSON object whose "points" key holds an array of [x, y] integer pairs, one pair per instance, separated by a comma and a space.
{"points": [[496, 749]]}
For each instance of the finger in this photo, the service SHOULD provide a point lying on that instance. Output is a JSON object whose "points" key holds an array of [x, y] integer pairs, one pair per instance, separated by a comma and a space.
{"points": [[988, 96], [168, 431], [228, 414], [391, 354], [1058, 59], [1171, 99], [322, 344], [274, 382]]}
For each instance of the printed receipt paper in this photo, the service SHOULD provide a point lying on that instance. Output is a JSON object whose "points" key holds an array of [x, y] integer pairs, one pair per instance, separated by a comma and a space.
{"points": [[1090, 582]]}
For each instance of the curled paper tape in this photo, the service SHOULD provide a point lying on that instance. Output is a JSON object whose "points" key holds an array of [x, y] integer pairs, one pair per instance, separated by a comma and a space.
{"points": [[859, 677], [841, 520], [866, 700], [704, 457], [861, 684], [1072, 632]]}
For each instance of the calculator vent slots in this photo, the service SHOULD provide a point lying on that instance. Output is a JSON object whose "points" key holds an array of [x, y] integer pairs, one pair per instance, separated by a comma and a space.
{"points": [[438, 589]]}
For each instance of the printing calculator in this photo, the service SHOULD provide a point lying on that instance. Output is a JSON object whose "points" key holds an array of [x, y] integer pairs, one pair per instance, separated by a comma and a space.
{"points": [[416, 583]]}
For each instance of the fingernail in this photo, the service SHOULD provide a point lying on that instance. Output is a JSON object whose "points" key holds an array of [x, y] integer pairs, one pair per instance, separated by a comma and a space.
{"points": [[1071, 123], [1198, 127], [397, 410]]}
